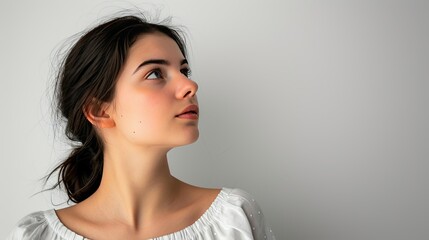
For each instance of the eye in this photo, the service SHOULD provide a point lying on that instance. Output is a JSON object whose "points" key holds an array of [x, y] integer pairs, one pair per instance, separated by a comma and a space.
{"points": [[186, 72], [155, 74]]}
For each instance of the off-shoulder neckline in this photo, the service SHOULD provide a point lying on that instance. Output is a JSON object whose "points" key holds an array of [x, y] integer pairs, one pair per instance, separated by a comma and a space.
{"points": [[204, 220]]}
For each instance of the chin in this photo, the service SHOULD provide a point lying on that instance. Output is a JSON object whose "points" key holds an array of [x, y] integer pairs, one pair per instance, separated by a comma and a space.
{"points": [[189, 138]]}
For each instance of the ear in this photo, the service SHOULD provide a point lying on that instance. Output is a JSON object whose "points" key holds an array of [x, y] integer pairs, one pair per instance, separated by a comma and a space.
{"points": [[96, 113]]}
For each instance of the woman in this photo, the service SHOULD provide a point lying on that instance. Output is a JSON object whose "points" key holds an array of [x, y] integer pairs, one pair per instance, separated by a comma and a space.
{"points": [[125, 93]]}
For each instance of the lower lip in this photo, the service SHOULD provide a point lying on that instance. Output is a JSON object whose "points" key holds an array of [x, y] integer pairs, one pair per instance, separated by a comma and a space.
{"points": [[188, 116]]}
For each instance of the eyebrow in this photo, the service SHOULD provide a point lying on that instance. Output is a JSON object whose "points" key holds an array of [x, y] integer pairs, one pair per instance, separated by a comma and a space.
{"points": [[157, 61]]}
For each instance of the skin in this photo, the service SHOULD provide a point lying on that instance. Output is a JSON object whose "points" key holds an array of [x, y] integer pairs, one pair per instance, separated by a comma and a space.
{"points": [[138, 198]]}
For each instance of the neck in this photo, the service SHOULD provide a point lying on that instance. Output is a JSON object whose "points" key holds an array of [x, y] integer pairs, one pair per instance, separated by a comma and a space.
{"points": [[136, 186]]}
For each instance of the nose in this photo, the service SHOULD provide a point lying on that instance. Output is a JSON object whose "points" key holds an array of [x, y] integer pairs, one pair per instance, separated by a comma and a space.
{"points": [[186, 88]]}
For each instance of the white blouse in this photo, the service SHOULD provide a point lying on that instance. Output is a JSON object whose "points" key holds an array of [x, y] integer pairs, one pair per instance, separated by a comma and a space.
{"points": [[234, 214]]}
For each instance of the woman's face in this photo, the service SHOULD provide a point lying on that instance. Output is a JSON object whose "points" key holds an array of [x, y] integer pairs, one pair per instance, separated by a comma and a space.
{"points": [[152, 92]]}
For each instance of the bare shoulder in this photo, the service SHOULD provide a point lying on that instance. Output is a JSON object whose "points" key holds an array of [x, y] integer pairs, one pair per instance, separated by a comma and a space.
{"points": [[74, 220], [199, 194]]}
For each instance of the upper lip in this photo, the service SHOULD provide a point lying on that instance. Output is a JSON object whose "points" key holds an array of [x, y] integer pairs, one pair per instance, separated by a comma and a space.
{"points": [[189, 109]]}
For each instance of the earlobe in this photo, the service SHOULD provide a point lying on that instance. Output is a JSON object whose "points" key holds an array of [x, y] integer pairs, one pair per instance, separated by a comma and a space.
{"points": [[96, 114]]}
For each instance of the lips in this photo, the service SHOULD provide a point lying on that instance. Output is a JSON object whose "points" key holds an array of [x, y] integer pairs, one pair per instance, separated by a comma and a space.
{"points": [[190, 112]]}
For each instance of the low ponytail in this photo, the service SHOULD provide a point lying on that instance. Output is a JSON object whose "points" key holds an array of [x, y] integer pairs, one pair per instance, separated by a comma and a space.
{"points": [[81, 172], [88, 75]]}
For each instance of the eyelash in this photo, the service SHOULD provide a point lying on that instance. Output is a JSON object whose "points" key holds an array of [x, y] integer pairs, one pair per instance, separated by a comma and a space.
{"points": [[156, 70], [184, 71]]}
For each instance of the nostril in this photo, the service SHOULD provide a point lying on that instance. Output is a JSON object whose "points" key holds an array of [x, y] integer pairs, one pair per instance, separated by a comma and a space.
{"points": [[188, 93]]}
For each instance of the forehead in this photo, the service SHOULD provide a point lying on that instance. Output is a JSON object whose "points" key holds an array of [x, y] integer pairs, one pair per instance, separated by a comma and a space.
{"points": [[155, 45]]}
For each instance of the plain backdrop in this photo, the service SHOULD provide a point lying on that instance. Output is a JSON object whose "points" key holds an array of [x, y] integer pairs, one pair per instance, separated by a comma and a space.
{"points": [[317, 108]]}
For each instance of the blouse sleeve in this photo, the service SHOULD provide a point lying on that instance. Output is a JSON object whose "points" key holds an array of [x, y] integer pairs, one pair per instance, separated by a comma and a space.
{"points": [[259, 226], [29, 227]]}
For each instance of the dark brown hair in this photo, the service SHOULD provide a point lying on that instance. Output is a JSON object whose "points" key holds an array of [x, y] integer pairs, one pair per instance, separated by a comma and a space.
{"points": [[89, 71]]}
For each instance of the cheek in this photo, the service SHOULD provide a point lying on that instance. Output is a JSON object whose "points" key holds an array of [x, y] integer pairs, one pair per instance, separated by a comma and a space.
{"points": [[143, 114], [150, 112]]}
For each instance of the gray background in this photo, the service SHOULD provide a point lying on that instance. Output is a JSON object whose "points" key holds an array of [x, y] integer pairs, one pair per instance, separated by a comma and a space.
{"points": [[317, 108]]}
